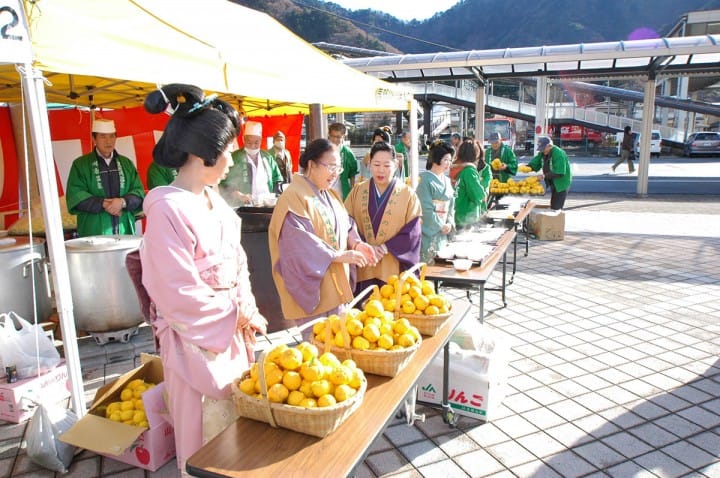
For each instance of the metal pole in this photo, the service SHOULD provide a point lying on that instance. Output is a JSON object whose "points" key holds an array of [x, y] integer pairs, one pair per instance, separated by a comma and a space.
{"points": [[414, 149], [646, 132], [36, 106]]}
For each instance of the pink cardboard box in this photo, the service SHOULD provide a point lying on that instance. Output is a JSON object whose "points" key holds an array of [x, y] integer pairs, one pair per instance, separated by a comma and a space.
{"points": [[18, 400], [147, 448]]}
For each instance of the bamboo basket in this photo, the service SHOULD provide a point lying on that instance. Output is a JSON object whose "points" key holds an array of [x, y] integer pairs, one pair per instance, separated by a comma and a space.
{"points": [[426, 324], [387, 363], [318, 422]]}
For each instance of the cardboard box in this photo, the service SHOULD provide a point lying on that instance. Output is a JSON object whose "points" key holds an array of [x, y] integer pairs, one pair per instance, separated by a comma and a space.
{"points": [[18, 400], [546, 224], [141, 447], [476, 386]]}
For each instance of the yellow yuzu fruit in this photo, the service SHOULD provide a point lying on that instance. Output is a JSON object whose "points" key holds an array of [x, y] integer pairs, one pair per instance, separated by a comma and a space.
{"points": [[127, 405], [278, 393], [292, 380], [392, 280], [343, 392], [126, 394], [371, 332], [408, 307], [406, 340], [432, 310], [247, 386], [309, 402], [354, 327], [385, 341], [376, 321], [374, 308], [326, 400], [349, 363], [329, 359], [295, 398], [312, 370], [387, 291], [414, 291], [401, 325], [273, 377], [421, 302], [274, 354], [139, 416], [305, 388], [143, 424], [116, 416], [360, 343], [318, 327], [127, 415], [291, 359], [138, 391], [340, 375], [320, 387], [427, 287]]}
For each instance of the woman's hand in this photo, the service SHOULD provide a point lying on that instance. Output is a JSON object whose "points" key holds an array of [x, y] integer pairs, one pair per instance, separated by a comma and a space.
{"points": [[259, 323], [380, 251], [446, 229], [352, 257], [368, 251]]}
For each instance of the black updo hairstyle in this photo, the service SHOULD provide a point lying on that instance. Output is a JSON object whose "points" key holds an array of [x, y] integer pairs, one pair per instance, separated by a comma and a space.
{"points": [[382, 133], [382, 146], [438, 150], [314, 151], [199, 125]]}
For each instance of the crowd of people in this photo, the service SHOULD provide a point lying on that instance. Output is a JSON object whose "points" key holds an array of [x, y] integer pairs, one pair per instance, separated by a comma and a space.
{"points": [[339, 225]]}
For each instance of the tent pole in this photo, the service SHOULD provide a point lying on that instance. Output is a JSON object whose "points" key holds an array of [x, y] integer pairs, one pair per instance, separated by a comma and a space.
{"points": [[36, 106], [414, 149]]}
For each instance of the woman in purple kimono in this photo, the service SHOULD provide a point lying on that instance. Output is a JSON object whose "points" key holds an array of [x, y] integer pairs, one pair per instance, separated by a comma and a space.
{"points": [[388, 216], [194, 268]]}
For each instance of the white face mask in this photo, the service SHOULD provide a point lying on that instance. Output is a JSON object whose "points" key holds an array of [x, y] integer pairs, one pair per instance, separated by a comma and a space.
{"points": [[279, 144], [252, 152]]}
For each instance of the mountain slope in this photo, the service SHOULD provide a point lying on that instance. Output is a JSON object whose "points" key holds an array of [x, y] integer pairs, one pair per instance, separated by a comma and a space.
{"points": [[482, 24]]}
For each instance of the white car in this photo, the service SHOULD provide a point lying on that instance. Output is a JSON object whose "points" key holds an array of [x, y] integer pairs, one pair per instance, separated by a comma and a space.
{"points": [[655, 143]]}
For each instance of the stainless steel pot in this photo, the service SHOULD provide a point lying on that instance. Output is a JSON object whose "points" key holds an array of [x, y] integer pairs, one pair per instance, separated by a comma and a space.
{"points": [[104, 298], [23, 266]]}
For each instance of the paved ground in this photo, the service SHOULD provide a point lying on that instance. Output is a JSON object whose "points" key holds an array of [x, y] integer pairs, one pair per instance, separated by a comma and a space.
{"points": [[613, 370]]}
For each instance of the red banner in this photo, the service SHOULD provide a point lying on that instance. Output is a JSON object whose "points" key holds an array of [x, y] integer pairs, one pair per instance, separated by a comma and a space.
{"points": [[137, 132]]}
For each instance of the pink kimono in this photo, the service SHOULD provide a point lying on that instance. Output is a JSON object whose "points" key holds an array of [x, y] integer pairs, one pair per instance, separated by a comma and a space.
{"points": [[195, 272]]}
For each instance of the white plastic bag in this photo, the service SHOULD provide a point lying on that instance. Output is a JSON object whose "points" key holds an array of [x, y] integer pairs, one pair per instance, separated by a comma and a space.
{"points": [[27, 347], [43, 445]]}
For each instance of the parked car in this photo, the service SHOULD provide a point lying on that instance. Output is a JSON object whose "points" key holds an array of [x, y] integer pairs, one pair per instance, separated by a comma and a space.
{"points": [[704, 142], [655, 143]]}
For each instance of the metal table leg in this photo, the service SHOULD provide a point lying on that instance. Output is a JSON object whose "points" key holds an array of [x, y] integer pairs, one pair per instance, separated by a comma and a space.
{"points": [[504, 273], [481, 302], [448, 415]]}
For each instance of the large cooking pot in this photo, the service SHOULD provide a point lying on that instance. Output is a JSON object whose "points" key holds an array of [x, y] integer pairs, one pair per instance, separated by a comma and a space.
{"points": [[23, 266], [104, 297]]}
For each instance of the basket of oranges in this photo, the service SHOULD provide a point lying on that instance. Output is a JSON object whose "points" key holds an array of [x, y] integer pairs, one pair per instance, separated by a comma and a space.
{"points": [[417, 301], [376, 340], [300, 390]]}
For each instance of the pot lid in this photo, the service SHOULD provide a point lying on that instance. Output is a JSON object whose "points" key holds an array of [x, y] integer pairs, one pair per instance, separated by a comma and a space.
{"points": [[103, 243], [16, 243]]}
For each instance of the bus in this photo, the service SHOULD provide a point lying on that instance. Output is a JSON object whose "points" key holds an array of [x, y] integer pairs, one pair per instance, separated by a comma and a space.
{"points": [[503, 125]]}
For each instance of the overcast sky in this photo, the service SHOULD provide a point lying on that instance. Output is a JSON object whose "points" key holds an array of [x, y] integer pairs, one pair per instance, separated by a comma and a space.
{"points": [[402, 9]]}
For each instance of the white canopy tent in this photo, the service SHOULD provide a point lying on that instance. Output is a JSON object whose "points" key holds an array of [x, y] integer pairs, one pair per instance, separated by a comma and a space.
{"points": [[112, 53]]}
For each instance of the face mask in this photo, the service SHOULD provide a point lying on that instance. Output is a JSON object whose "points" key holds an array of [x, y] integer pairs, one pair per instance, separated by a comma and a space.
{"points": [[252, 152], [279, 144]]}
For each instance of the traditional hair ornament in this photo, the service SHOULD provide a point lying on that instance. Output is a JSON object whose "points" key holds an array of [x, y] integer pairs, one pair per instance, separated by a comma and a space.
{"points": [[200, 105]]}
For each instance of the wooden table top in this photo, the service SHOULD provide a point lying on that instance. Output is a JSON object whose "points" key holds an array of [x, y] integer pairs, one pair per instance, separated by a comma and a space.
{"points": [[476, 274], [251, 448], [524, 211]]}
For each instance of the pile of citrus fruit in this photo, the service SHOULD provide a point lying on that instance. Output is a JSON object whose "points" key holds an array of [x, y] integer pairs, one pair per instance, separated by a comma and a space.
{"points": [[496, 164], [416, 296], [298, 376], [524, 168], [130, 409], [529, 185]]}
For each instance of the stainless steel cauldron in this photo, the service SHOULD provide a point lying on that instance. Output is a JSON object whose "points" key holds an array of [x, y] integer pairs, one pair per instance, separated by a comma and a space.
{"points": [[104, 297], [24, 265]]}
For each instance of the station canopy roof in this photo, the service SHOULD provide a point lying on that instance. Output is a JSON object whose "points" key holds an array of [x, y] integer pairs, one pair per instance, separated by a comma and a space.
{"points": [[111, 53], [653, 58]]}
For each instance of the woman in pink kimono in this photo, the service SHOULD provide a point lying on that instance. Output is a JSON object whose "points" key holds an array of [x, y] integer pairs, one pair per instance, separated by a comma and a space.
{"points": [[195, 269]]}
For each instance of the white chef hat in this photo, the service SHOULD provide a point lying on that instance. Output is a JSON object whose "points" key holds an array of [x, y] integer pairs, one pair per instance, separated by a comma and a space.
{"points": [[103, 126], [253, 128]]}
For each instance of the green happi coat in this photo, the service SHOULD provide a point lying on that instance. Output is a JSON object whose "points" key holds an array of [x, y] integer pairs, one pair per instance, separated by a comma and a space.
{"points": [[472, 189], [84, 182], [506, 155], [160, 175]]}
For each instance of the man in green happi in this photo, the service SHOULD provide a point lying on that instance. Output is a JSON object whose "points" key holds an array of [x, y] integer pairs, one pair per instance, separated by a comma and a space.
{"points": [[104, 188]]}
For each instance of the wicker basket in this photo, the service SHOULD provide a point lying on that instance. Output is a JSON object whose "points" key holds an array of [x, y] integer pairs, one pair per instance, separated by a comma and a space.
{"points": [[426, 324], [387, 363], [318, 422]]}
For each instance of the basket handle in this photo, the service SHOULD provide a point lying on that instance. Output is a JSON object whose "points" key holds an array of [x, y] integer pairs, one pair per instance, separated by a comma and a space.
{"points": [[401, 282], [264, 389]]}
